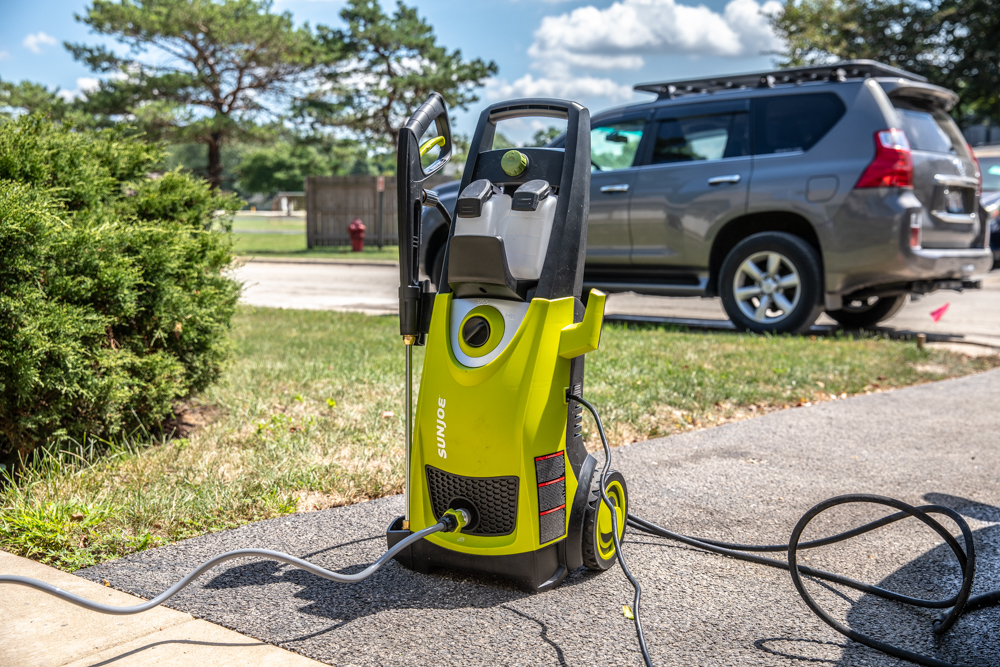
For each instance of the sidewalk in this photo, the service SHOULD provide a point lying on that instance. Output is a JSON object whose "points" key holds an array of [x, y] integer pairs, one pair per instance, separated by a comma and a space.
{"points": [[42, 631]]}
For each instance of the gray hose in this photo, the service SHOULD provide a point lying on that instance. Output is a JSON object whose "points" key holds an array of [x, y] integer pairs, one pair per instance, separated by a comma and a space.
{"points": [[222, 558]]}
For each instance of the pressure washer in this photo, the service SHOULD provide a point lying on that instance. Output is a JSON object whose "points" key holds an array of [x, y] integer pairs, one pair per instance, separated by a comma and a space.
{"points": [[497, 477]]}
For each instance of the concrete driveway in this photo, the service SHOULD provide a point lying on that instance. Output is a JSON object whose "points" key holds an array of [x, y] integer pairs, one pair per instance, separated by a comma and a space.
{"points": [[972, 316], [747, 481]]}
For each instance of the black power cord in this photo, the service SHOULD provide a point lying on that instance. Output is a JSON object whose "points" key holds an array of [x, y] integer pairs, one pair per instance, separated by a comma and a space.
{"points": [[614, 528], [960, 603]]}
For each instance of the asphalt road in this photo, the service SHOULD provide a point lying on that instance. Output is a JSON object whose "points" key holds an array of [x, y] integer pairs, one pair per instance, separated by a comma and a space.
{"points": [[972, 315], [747, 481]]}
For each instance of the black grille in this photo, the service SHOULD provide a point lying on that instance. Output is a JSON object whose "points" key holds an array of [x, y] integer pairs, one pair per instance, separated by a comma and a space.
{"points": [[551, 525], [495, 499], [551, 495], [548, 468]]}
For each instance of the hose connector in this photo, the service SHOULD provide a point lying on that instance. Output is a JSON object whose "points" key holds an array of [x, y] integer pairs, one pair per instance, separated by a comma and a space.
{"points": [[455, 520]]}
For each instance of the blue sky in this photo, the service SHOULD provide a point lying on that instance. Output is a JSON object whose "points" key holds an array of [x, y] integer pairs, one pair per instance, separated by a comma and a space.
{"points": [[591, 51]]}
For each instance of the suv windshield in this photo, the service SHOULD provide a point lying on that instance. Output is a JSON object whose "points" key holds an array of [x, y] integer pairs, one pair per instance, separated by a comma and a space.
{"points": [[990, 167]]}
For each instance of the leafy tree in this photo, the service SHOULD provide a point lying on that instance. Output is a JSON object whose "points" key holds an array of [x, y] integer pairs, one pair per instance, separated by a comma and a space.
{"points": [[386, 65], [543, 137], [500, 141], [954, 43], [28, 97], [196, 70], [285, 165]]}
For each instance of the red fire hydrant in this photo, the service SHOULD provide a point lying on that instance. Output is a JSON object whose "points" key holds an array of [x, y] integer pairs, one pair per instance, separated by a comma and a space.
{"points": [[357, 231]]}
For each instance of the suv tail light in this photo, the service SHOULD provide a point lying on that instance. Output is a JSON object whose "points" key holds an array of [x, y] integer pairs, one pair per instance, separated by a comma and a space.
{"points": [[893, 163]]}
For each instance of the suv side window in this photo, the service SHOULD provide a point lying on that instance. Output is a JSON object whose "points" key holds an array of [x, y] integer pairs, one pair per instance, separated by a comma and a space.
{"points": [[613, 146], [788, 123], [700, 138]]}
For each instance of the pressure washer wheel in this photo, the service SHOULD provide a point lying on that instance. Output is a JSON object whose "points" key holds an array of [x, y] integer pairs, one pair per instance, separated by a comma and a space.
{"points": [[598, 542]]}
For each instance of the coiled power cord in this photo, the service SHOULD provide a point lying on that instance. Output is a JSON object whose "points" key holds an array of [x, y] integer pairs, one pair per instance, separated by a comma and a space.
{"points": [[959, 604], [453, 520]]}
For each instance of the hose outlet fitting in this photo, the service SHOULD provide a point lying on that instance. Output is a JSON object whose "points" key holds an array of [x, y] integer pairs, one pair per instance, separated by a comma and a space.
{"points": [[455, 520]]}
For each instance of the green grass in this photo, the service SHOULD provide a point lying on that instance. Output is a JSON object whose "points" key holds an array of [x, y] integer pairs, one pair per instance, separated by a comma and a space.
{"points": [[309, 416], [293, 245], [281, 223]]}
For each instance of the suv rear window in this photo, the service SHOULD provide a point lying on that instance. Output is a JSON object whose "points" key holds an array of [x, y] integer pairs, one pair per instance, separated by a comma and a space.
{"points": [[787, 123], [931, 131]]}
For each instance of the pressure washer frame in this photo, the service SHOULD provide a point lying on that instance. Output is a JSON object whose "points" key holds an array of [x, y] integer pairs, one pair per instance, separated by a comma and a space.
{"points": [[545, 564]]}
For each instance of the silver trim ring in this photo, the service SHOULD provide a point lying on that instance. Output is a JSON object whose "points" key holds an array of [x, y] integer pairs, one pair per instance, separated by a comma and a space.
{"points": [[766, 287]]}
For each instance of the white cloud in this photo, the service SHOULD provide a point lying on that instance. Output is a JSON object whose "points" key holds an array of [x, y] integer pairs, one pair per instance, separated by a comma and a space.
{"points": [[619, 36], [84, 85], [4, 55], [623, 35], [567, 87], [35, 42]]}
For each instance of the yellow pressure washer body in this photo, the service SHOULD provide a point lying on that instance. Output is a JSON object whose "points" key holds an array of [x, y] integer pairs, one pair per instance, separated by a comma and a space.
{"points": [[493, 433]]}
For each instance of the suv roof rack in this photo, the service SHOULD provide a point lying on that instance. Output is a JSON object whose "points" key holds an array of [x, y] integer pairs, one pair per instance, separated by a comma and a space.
{"points": [[839, 71]]}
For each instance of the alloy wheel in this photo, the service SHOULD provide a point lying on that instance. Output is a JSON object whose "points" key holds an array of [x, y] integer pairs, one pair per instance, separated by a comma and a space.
{"points": [[766, 287]]}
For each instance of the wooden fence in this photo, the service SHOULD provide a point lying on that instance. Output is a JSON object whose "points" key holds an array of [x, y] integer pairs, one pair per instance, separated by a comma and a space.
{"points": [[332, 202]]}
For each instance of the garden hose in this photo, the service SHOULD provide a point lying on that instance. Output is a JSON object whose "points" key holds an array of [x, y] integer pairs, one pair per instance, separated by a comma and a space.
{"points": [[453, 520], [959, 604]]}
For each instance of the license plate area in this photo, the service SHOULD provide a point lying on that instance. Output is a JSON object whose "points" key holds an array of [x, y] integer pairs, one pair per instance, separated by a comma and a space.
{"points": [[954, 200]]}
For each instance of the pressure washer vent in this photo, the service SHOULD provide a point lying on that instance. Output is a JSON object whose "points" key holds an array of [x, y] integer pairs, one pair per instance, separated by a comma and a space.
{"points": [[550, 473], [494, 499]]}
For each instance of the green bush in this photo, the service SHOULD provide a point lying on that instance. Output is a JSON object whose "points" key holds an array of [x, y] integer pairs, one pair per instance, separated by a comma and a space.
{"points": [[113, 304]]}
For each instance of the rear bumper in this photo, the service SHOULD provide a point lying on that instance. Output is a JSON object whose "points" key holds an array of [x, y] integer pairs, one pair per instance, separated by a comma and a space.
{"points": [[867, 247]]}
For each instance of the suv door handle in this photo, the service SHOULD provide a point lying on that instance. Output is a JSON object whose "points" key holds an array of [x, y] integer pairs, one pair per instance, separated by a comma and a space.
{"points": [[621, 187], [719, 180]]}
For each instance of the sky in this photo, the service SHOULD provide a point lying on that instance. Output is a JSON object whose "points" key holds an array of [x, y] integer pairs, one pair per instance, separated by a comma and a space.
{"points": [[592, 51]]}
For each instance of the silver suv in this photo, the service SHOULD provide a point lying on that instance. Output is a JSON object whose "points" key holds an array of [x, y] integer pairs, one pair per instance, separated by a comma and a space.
{"points": [[841, 188]]}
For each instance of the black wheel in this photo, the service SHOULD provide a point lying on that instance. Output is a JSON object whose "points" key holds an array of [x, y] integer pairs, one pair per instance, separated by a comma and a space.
{"points": [[438, 267], [598, 542], [771, 283], [867, 312]]}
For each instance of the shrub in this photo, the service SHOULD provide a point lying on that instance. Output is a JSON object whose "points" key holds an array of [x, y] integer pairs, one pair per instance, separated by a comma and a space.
{"points": [[113, 302]]}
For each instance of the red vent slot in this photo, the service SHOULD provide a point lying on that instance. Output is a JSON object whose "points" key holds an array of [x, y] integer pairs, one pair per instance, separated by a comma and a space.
{"points": [[554, 509]]}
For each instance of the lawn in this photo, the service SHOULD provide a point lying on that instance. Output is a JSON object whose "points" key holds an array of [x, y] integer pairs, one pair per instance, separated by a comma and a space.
{"points": [[251, 241], [309, 416]]}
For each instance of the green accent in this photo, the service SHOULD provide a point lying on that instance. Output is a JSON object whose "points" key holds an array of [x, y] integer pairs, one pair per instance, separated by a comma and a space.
{"points": [[495, 320], [497, 419], [459, 518], [514, 163], [605, 528], [431, 143], [584, 336]]}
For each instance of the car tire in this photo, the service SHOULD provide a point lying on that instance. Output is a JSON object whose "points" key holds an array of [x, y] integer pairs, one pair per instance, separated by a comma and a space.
{"points": [[771, 282], [860, 313]]}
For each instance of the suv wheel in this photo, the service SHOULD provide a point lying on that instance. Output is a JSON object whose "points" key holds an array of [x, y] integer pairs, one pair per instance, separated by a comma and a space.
{"points": [[867, 312], [771, 282]]}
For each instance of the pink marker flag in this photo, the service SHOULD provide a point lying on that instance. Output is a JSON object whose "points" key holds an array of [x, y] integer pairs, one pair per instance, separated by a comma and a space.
{"points": [[936, 315]]}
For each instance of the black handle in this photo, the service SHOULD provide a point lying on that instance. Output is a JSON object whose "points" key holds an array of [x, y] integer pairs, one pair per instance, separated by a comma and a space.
{"points": [[562, 272], [410, 178]]}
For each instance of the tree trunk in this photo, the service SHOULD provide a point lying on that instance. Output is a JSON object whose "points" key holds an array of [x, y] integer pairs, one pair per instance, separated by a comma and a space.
{"points": [[214, 172]]}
